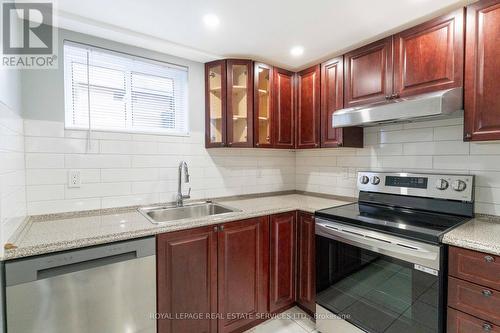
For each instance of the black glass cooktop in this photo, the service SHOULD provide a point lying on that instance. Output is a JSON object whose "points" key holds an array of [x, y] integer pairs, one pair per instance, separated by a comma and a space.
{"points": [[419, 225]]}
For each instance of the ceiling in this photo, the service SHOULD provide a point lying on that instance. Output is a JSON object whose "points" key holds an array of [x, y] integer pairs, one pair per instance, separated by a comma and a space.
{"points": [[263, 30]]}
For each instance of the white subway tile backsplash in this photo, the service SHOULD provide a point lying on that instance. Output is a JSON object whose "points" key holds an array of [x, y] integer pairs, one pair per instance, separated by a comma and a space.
{"points": [[98, 190], [44, 161], [43, 128], [45, 192], [408, 135], [436, 148], [61, 206], [449, 133], [82, 161]]}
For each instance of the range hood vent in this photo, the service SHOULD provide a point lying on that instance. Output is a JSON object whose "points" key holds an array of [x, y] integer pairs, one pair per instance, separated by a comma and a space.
{"points": [[439, 104]]}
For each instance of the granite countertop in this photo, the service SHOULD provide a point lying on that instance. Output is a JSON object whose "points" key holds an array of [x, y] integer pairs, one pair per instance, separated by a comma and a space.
{"points": [[480, 234], [59, 232]]}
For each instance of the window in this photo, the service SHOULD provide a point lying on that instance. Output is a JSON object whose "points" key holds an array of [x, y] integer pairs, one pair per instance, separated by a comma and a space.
{"points": [[118, 92]]}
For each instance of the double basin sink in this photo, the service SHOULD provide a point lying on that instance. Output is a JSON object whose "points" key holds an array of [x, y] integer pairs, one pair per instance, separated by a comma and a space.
{"points": [[164, 214]]}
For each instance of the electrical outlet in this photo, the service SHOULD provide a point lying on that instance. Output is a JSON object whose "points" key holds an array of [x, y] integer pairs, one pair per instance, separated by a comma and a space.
{"points": [[74, 178]]}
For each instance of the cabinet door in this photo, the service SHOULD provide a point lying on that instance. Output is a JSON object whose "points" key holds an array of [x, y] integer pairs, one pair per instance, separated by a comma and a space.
{"points": [[243, 267], [482, 72], [430, 56], [368, 74], [263, 115], [284, 106], [306, 262], [215, 104], [187, 279], [308, 108], [282, 270], [459, 322], [239, 103], [332, 99]]}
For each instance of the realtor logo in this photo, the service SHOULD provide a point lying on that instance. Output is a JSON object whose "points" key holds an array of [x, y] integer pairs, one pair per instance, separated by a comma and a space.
{"points": [[28, 35]]}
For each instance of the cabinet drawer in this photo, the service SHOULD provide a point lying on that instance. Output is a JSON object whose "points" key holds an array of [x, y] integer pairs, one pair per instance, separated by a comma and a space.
{"points": [[473, 299], [477, 267], [459, 322]]}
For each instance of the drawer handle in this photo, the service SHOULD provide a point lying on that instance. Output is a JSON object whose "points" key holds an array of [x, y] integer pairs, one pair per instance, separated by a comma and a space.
{"points": [[487, 327], [487, 293], [489, 259]]}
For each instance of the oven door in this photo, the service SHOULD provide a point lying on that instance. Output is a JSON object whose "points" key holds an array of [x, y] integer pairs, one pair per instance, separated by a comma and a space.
{"points": [[378, 282]]}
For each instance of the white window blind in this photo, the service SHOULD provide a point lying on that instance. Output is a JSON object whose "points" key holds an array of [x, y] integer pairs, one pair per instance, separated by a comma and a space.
{"points": [[123, 92]]}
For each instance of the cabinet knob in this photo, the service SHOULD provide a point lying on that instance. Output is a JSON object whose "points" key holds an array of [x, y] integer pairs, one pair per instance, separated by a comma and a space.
{"points": [[229, 144], [467, 136], [221, 228], [489, 259], [215, 229], [257, 144], [388, 97], [487, 327], [487, 293], [394, 96]]}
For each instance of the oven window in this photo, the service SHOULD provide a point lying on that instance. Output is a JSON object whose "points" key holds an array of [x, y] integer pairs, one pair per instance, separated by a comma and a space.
{"points": [[375, 292]]}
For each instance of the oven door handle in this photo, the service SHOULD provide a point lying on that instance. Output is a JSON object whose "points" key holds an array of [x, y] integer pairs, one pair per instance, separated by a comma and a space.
{"points": [[416, 253]]}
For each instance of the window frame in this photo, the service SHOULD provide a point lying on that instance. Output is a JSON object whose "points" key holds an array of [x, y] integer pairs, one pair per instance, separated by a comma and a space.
{"points": [[68, 93]]}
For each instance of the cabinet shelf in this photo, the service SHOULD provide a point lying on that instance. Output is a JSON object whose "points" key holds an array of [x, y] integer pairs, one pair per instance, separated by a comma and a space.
{"points": [[263, 92]]}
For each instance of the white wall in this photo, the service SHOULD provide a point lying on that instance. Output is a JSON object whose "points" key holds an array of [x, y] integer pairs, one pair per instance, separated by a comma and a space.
{"points": [[432, 146], [12, 167], [132, 169]]}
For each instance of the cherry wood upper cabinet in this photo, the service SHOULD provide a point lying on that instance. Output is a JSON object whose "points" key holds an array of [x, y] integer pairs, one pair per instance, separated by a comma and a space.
{"points": [[215, 104], [332, 99], [482, 72], [282, 269], [284, 106], [430, 56], [368, 74], [308, 108], [187, 279], [243, 272], [263, 105], [306, 286], [239, 120]]}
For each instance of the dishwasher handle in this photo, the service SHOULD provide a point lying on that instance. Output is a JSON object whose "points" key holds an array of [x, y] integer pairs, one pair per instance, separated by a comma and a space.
{"points": [[48, 266]]}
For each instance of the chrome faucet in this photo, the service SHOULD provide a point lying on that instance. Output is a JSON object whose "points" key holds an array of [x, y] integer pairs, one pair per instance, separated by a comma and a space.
{"points": [[180, 196]]}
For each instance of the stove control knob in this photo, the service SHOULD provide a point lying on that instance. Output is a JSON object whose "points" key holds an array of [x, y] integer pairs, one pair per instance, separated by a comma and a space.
{"points": [[459, 185], [364, 179], [375, 180], [442, 184]]}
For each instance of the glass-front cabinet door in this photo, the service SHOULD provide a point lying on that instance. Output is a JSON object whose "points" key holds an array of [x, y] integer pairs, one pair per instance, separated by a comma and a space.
{"points": [[215, 104], [262, 105], [239, 103]]}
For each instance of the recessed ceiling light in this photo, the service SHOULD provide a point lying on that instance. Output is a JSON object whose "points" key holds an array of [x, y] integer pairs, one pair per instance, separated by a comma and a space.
{"points": [[211, 21], [297, 51]]}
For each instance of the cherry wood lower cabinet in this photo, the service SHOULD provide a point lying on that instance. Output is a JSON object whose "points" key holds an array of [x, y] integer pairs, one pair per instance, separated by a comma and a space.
{"points": [[187, 279], [482, 70], [282, 260], [306, 286], [243, 264], [473, 291], [459, 322]]}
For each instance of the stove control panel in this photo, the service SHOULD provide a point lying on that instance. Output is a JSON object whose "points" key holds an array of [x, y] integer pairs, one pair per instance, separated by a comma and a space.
{"points": [[451, 187]]}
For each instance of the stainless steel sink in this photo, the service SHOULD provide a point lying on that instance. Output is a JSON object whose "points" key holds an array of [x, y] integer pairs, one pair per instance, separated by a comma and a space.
{"points": [[162, 214]]}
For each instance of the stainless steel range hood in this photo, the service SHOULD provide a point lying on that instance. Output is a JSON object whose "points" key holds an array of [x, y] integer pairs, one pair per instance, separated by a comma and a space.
{"points": [[443, 103]]}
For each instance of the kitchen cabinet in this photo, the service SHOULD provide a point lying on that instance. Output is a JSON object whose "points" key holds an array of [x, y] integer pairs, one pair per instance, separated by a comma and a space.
{"points": [[187, 279], [284, 109], [306, 286], [243, 272], [229, 103], [422, 59], [282, 261], [430, 56], [263, 105], [482, 70], [215, 104], [459, 322], [308, 108], [473, 291], [332, 99], [368, 74]]}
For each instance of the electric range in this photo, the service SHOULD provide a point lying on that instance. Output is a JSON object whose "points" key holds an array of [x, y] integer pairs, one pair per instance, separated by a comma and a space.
{"points": [[380, 264]]}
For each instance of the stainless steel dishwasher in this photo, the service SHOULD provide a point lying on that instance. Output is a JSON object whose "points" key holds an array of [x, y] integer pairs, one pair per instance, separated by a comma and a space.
{"points": [[108, 289]]}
